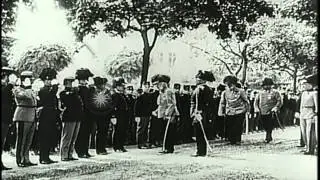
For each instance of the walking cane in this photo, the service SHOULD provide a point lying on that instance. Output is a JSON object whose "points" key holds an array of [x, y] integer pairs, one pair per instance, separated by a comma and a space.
{"points": [[278, 121], [205, 137], [202, 128], [165, 134]]}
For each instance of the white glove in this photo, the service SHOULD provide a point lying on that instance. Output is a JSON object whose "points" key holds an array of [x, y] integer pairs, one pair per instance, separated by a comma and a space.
{"points": [[75, 83], [26, 82], [297, 115], [90, 81], [13, 79], [113, 121], [54, 82], [154, 113], [137, 119]]}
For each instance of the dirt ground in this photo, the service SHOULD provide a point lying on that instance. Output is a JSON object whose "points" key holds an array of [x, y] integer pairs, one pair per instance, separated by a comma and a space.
{"points": [[254, 159]]}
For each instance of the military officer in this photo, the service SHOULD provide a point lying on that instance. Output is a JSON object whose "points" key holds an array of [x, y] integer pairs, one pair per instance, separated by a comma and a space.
{"points": [[185, 120], [83, 139], [72, 110], [100, 105], [121, 113], [142, 112], [24, 117], [200, 110], [131, 133], [49, 110], [268, 102], [7, 102]]}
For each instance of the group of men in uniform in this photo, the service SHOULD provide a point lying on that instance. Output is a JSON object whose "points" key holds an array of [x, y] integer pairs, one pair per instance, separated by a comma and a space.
{"points": [[157, 116]]}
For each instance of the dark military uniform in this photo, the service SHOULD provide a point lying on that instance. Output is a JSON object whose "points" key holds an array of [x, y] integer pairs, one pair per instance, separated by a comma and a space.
{"points": [[71, 118], [47, 120], [100, 105], [121, 112], [131, 134], [143, 110], [82, 142], [203, 93]]}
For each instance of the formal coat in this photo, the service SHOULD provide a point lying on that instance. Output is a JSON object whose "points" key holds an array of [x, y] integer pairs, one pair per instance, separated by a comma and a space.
{"points": [[121, 113], [200, 106], [48, 101]]}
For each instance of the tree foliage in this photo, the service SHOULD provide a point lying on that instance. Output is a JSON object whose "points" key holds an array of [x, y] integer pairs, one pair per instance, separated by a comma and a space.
{"points": [[285, 45], [302, 10], [127, 64], [44, 56], [163, 17]]}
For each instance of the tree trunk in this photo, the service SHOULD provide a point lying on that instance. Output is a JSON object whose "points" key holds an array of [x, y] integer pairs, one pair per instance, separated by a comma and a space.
{"points": [[245, 64], [295, 79], [145, 64]]}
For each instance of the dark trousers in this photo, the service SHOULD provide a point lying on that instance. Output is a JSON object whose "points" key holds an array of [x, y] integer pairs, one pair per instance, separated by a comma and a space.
{"points": [[131, 131], [83, 139], [102, 133], [156, 130], [201, 142], [46, 138], [170, 137], [120, 131], [142, 130], [25, 132], [235, 127], [220, 126], [268, 124], [4, 133]]}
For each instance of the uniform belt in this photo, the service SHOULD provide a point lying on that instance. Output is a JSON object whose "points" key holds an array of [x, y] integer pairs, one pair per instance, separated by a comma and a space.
{"points": [[307, 106], [26, 106]]}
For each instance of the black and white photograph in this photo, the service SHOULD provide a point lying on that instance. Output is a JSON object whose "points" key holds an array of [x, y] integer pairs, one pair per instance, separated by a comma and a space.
{"points": [[159, 89]]}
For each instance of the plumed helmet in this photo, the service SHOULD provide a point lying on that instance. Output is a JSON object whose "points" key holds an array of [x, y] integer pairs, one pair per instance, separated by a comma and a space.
{"points": [[267, 82], [230, 79], [48, 74], [83, 74], [98, 81], [205, 75], [163, 78], [119, 81]]}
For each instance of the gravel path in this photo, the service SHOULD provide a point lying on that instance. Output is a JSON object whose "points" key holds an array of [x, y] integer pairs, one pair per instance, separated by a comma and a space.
{"points": [[280, 159]]}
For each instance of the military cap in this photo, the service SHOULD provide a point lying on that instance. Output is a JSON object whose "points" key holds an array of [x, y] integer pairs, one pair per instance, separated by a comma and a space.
{"points": [[6, 70], [68, 79], [130, 87], [139, 90], [186, 87], [193, 87], [119, 81], [221, 87], [267, 82], [83, 74], [26, 74], [98, 81], [163, 78], [176, 86], [48, 74], [205, 75], [105, 80]]}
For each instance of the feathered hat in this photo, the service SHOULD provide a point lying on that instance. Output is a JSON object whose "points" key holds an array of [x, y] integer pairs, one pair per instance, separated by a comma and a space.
{"points": [[267, 82], [83, 74], [206, 76], [98, 81], [48, 74]]}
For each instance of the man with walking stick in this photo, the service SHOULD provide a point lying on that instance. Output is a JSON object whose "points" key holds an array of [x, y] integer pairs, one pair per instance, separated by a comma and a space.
{"points": [[267, 103], [200, 110]]}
